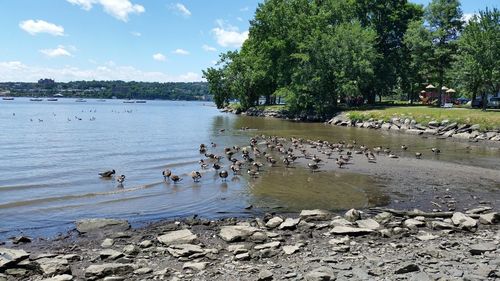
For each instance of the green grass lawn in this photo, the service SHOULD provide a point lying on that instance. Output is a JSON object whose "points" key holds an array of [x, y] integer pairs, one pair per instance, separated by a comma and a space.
{"points": [[486, 119]]}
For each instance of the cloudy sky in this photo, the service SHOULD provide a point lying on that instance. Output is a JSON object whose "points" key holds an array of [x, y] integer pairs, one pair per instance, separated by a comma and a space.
{"points": [[141, 40]]}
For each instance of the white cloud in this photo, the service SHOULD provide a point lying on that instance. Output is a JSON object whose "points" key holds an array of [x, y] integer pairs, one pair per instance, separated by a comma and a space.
{"points": [[60, 51], [228, 35], [34, 27], [159, 57], [135, 33], [181, 9], [468, 16], [239, 18], [120, 9], [181, 52], [17, 71], [244, 9], [209, 48]]}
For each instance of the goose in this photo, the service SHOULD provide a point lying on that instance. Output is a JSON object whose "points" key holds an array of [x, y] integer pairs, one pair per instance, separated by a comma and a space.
{"points": [[196, 176], [436, 150], [392, 155], [175, 178], [371, 159], [252, 173], [216, 166], [107, 174], [286, 162], [418, 155], [166, 174], [340, 162], [235, 168], [257, 165], [404, 147], [203, 165], [316, 159], [272, 161], [223, 175], [120, 179], [313, 166]]}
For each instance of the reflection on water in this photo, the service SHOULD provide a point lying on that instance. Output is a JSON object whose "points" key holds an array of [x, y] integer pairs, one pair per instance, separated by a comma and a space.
{"points": [[295, 189]]}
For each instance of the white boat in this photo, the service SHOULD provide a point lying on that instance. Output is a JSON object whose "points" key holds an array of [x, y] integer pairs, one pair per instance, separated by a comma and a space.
{"points": [[52, 99], [140, 101], [36, 99], [80, 100], [8, 98]]}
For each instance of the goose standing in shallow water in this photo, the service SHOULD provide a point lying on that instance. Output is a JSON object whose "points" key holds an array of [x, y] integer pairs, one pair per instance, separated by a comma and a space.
{"points": [[436, 150], [196, 176], [340, 162], [223, 175], [392, 155], [107, 174], [166, 174], [418, 155], [120, 180], [175, 178], [313, 166]]}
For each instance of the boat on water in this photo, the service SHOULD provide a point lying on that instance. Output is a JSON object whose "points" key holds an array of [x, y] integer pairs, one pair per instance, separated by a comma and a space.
{"points": [[128, 101], [8, 98], [80, 100], [36, 99], [101, 100], [140, 101], [52, 99]]}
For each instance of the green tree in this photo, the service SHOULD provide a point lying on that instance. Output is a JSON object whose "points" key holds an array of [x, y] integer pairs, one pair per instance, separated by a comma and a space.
{"points": [[477, 66]]}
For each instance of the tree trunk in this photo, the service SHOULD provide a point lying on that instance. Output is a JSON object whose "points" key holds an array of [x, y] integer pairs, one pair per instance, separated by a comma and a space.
{"points": [[484, 98]]}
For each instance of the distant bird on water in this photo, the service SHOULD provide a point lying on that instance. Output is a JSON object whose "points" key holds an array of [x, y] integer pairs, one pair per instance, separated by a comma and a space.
{"points": [[313, 166], [166, 174], [175, 178], [418, 155], [121, 179], [435, 150], [223, 175], [107, 174], [196, 176]]}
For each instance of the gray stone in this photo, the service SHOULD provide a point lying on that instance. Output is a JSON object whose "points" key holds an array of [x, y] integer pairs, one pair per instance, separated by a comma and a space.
{"points": [[107, 243], [233, 233], [352, 215], [463, 221], [426, 236], [195, 265], [242, 256], [143, 270], [414, 132], [274, 222], [430, 131], [9, 257], [184, 250], [350, 230], [413, 223], [440, 225], [183, 236], [238, 248], [146, 244], [110, 254], [383, 217], [131, 250], [96, 271], [464, 136], [289, 223], [490, 218], [52, 266], [368, 223], [410, 267], [448, 134], [320, 274], [386, 126], [481, 248], [289, 249], [341, 222], [265, 275], [274, 244], [90, 225], [63, 277], [258, 237], [310, 215]]}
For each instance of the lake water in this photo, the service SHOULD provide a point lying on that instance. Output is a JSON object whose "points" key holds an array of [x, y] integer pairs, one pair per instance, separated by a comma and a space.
{"points": [[51, 153]]}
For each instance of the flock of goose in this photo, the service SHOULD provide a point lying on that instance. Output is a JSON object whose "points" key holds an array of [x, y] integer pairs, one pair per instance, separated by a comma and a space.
{"points": [[272, 149]]}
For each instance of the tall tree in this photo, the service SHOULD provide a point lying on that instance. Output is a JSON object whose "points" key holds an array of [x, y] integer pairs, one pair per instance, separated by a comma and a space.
{"points": [[443, 18], [477, 65]]}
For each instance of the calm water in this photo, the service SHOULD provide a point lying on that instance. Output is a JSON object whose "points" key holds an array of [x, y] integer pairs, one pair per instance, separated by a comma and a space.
{"points": [[48, 169]]}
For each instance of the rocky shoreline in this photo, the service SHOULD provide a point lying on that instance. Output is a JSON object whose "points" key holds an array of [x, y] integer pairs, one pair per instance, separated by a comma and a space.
{"points": [[377, 244], [443, 129]]}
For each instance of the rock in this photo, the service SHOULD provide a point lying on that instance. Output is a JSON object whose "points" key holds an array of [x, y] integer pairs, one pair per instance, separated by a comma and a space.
{"points": [[440, 225], [184, 236], [449, 127], [90, 225], [289, 249], [274, 222], [464, 136], [350, 230], [433, 124], [107, 243], [131, 250], [414, 132], [195, 265], [490, 218], [114, 278], [368, 224], [146, 244], [320, 274], [448, 134], [21, 240], [10, 257], [383, 217], [184, 250], [242, 256], [274, 244], [52, 266], [427, 236], [430, 131], [258, 237], [386, 126], [143, 270], [413, 223], [410, 267], [265, 275], [110, 254], [463, 221], [341, 222], [96, 271], [63, 277], [311, 215], [238, 248], [481, 248], [233, 233], [475, 127], [352, 215], [289, 223]]}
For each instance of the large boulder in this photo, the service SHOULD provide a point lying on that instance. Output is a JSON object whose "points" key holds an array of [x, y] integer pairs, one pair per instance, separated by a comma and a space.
{"points": [[352, 215], [368, 224], [233, 233], [52, 266], [90, 225], [184, 236], [289, 223], [322, 273], [10, 257], [463, 221]]}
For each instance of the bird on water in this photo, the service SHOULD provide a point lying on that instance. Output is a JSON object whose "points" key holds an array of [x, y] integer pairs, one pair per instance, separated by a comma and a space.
{"points": [[107, 174]]}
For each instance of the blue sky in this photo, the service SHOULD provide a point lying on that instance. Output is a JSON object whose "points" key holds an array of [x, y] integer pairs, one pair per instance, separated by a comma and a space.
{"points": [[142, 40]]}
